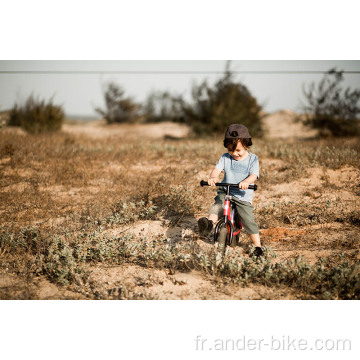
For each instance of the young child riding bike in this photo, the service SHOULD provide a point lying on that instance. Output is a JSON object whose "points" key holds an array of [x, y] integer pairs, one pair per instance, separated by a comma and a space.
{"points": [[240, 167]]}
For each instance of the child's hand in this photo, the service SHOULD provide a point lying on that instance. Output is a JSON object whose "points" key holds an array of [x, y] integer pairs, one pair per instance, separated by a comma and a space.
{"points": [[244, 185], [212, 181]]}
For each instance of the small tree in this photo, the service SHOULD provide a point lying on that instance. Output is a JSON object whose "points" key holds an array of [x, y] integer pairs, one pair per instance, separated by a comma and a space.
{"points": [[37, 116], [228, 102], [331, 110], [119, 109], [162, 106]]}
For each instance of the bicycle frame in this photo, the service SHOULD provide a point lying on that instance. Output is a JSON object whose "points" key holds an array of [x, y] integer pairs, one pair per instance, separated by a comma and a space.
{"points": [[228, 219], [229, 212]]}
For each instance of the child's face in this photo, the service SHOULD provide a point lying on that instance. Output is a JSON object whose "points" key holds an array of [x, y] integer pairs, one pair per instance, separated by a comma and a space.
{"points": [[238, 152]]}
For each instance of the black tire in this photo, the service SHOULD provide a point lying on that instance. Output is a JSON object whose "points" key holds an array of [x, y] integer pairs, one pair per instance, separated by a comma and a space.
{"points": [[235, 241], [222, 240]]}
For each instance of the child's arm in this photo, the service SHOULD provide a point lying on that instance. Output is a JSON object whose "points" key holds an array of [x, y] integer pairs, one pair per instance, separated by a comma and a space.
{"points": [[249, 180], [214, 176]]}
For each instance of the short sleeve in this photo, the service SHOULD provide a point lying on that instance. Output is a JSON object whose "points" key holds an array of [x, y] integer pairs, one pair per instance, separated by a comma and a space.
{"points": [[254, 166], [221, 163]]}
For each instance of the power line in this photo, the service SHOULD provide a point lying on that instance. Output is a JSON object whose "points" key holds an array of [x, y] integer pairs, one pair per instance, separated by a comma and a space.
{"points": [[129, 72]]}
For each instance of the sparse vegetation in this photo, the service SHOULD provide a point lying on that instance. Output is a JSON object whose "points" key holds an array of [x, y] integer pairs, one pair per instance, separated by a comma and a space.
{"points": [[37, 116], [71, 205], [66, 261], [332, 154]]}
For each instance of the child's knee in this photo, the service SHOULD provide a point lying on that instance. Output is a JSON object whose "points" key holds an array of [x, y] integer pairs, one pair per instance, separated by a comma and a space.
{"points": [[216, 209], [252, 228]]}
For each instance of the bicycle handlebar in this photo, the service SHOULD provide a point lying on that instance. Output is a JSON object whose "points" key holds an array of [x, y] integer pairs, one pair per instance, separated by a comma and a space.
{"points": [[205, 183]]}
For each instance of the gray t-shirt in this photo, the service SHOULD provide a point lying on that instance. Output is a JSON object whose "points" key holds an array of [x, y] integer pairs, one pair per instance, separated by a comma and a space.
{"points": [[237, 171]]}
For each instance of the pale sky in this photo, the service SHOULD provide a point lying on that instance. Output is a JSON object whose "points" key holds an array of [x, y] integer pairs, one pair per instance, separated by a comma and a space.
{"points": [[80, 93]]}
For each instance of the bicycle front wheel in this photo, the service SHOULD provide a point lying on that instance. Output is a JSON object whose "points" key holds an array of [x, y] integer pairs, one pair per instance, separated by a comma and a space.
{"points": [[222, 240]]}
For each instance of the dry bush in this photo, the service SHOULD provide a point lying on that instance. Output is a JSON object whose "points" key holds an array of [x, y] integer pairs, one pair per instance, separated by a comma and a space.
{"points": [[330, 109], [37, 116], [163, 106], [118, 108], [214, 108]]}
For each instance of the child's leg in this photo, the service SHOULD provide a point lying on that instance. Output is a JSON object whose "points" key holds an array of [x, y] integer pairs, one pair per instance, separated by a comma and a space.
{"points": [[245, 210], [255, 239], [205, 225], [217, 209]]}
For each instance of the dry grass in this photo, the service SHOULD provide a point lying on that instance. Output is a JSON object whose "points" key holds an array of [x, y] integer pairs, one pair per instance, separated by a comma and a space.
{"points": [[63, 195]]}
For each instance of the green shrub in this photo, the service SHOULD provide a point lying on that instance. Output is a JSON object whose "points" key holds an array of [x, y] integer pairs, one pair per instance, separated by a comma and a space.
{"points": [[37, 116], [227, 102], [119, 109], [127, 211], [329, 109]]}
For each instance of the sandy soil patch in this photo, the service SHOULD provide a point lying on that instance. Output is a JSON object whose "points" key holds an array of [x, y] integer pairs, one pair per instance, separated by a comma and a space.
{"points": [[320, 182], [282, 124], [278, 233], [99, 129], [13, 287], [131, 281]]}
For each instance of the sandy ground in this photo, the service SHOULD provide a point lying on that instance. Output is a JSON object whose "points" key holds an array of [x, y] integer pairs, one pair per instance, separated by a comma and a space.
{"points": [[277, 125], [99, 129], [281, 124]]}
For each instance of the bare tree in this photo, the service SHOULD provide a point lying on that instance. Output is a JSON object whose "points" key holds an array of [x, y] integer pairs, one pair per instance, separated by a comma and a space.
{"points": [[163, 106], [330, 109], [119, 109]]}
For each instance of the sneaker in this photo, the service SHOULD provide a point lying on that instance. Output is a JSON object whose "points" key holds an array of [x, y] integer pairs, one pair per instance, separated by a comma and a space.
{"points": [[205, 226], [258, 251]]}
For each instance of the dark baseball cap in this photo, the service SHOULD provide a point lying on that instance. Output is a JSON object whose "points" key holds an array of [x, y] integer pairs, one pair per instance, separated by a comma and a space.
{"points": [[237, 131]]}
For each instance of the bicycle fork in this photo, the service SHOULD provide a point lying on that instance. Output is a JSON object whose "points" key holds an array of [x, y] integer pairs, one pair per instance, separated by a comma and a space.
{"points": [[227, 220]]}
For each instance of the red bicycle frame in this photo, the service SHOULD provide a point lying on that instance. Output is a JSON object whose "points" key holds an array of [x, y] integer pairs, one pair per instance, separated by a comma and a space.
{"points": [[229, 212], [228, 219]]}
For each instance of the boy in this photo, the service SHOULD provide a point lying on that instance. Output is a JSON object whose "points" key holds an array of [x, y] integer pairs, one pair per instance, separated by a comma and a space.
{"points": [[240, 167]]}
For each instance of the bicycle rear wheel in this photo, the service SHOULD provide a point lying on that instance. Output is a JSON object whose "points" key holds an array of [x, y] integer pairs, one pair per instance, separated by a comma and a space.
{"points": [[235, 240]]}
